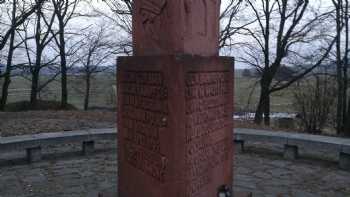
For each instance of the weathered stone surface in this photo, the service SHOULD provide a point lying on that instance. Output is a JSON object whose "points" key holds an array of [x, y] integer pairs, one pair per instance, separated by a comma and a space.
{"points": [[174, 125], [87, 176], [34, 154], [163, 27], [111, 194], [239, 145], [344, 161], [88, 147], [290, 152]]}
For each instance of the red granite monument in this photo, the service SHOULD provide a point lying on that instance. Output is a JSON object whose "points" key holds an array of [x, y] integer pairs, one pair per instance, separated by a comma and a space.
{"points": [[175, 103]]}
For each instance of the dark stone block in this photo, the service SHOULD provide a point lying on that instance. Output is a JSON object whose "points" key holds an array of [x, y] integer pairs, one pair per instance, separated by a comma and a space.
{"points": [[290, 152], [239, 145], [34, 154], [88, 147], [174, 126], [344, 161]]}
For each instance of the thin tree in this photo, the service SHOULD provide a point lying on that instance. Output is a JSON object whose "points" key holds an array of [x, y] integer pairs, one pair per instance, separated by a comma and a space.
{"points": [[95, 56], [7, 73], [342, 64], [64, 11], [20, 12], [42, 39]]}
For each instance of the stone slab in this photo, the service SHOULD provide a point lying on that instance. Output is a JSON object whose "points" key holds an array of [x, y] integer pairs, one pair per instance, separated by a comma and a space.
{"points": [[45, 139], [290, 138], [174, 125]]}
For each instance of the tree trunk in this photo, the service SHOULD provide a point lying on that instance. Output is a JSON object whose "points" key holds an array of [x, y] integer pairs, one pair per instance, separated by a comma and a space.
{"points": [[264, 104], [87, 92], [34, 88], [64, 89], [5, 88], [267, 110], [7, 80], [347, 125], [263, 109], [339, 117], [346, 109]]}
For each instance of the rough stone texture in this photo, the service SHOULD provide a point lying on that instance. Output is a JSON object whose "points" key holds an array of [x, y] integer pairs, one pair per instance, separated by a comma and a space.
{"points": [[163, 27], [175, 125], [235, 194], [88, 147], [317, 146], [290, 152], [239, 145], [34, 154], [266, 175], [344, 161]]}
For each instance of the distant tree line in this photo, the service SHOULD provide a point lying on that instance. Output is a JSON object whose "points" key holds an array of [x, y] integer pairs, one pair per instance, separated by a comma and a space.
{"points": [[37, 35]]}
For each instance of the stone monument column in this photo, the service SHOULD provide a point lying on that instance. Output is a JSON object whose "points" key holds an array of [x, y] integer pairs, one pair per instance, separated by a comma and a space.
{"points": [[175, 103]]}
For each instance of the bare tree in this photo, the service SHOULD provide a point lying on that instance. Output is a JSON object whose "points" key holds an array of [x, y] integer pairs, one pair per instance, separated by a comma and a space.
{"points": [[314, 97], [281, 25], [342, 64], [27, 9], [231, 23], [42, 37], [64, 11], [20, 11], [95, 56], [7, 73]]}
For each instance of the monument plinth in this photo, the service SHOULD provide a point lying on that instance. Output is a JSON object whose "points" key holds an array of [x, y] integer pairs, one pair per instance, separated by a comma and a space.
{"points": [[175, 103]]}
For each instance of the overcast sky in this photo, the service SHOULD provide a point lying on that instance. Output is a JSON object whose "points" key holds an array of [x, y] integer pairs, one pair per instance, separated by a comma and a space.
{"points": [[91, 22]]}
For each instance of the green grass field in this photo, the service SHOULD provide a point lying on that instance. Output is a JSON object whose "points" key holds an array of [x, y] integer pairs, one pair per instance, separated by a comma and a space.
{"points": [[102, 93]]}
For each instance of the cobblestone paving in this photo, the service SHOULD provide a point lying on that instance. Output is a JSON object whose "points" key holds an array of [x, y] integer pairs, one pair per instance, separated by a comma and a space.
{"points": [[80, 176]]}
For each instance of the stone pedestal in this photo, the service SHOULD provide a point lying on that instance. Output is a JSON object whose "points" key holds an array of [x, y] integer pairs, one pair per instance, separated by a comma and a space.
{"points": [[344, 161], [174, 125], [88, 147], [290, 152], [34, 154]]}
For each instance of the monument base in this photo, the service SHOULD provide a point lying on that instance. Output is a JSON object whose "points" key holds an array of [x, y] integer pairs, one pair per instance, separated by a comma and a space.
{"points": [[175, 126], [235, 194]]}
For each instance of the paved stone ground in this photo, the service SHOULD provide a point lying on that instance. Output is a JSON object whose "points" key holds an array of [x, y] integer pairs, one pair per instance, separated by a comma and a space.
{"points": [[71, 175]]}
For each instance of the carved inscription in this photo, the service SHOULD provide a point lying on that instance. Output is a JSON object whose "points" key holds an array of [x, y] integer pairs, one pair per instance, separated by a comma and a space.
{"points": [[144, 100], [208, 116]]}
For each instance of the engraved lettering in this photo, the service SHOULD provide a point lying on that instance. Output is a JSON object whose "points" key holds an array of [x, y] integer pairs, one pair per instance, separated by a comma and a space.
{"points": [[144, 98]]}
